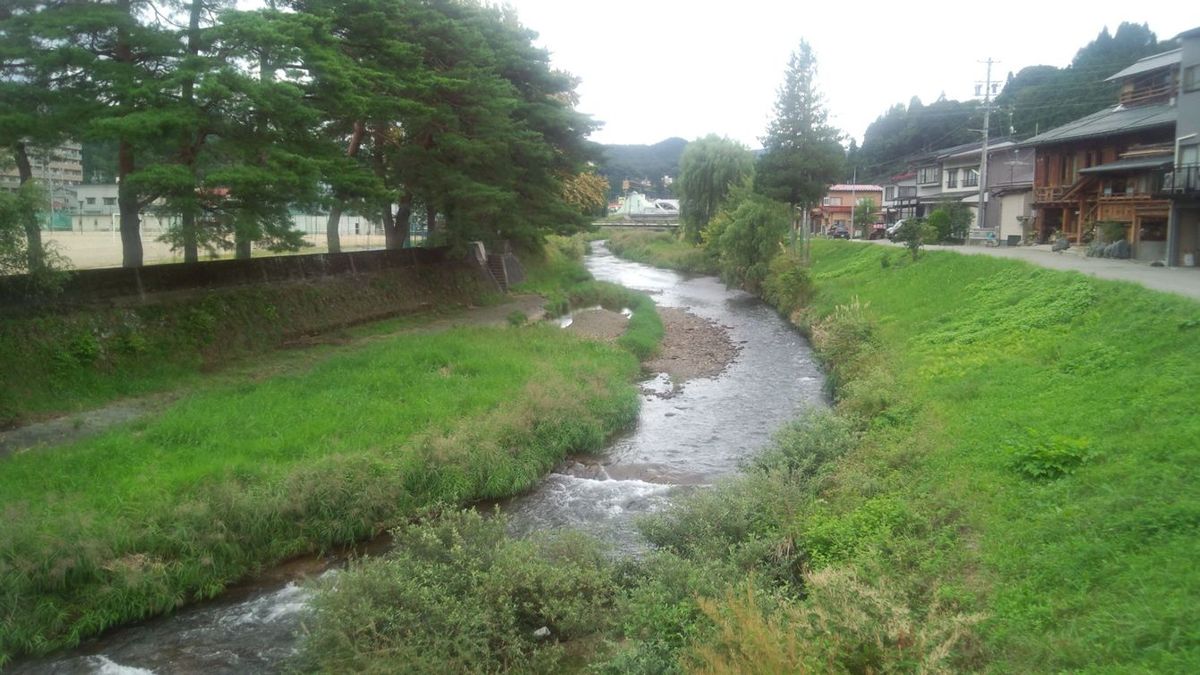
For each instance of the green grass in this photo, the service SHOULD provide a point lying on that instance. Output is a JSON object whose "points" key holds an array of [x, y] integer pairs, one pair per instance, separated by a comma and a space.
{"points": [[1007, 483], [144, 518], [1043, 424], [63, 360], [662, 249]]}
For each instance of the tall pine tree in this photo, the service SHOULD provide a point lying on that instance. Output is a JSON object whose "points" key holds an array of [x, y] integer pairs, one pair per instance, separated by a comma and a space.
{"points": [[803, 153]]}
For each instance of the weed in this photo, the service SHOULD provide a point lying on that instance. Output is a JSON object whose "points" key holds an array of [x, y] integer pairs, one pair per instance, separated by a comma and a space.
{"points": [[1041, 456]]}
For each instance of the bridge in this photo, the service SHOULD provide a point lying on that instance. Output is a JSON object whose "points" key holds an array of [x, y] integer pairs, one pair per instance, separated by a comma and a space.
{"points": [[646, 221]]}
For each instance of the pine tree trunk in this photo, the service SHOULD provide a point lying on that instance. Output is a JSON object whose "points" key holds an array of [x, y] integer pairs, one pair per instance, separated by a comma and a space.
{"points": [[389, 228], [35, 254], [188, 150], [127, 202], [332, 239], [395, 227], [188, 232], [241, 245], [127, 197], [332, 236]]}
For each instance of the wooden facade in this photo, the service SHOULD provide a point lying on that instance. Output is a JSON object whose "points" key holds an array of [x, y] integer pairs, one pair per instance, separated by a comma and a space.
{"points": [[1071, 201]]}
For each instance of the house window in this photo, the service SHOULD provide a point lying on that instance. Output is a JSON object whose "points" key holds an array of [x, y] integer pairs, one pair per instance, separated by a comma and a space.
{"points": [[951, 178], [929, 175], [889, 193], [1189, 155], [1191, 78], [832, 201], [971, 178], [908, 191], [109, 201]]}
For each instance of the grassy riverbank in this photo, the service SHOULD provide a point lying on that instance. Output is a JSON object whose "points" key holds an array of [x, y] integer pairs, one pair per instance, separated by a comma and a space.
{"points": [[60, 360], [1023, 491], [1007, 482], [241, 474], [661, 249]]}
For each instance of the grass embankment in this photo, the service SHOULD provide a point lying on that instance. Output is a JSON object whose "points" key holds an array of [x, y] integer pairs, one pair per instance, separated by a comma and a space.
{"points": [[662, 249], [235, 476], [1007, 482], [1037, 431], [66, 359]]}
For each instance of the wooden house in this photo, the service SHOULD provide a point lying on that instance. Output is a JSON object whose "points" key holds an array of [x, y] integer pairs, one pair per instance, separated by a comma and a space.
{"points": [[1109, 166]]}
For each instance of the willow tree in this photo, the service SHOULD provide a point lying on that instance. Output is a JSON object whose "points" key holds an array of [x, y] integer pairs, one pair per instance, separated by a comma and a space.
{"points": [[803, 153], [709, 169]]}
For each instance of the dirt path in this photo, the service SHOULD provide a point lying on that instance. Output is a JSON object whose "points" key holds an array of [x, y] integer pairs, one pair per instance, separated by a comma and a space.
{"points": [[75, 426]]}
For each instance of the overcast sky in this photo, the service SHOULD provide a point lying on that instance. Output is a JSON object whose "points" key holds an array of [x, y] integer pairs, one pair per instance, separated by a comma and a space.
{"points": [[652, 69]]}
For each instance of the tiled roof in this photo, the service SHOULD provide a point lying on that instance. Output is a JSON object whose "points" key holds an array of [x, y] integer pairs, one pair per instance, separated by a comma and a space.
{"points": [[1131, 164], [1108, 122], [1150, 63], [846, 187]]}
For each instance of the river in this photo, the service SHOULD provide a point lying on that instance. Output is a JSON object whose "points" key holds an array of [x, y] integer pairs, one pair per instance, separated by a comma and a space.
{"points": [[681, 442]]}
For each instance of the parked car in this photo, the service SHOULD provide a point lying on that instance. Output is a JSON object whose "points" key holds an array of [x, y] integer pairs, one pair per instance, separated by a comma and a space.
{"points": [[893, 229], [839, 232]]}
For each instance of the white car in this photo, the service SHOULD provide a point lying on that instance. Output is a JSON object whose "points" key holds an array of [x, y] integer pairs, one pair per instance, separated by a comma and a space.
{"points": [[893, 229]]}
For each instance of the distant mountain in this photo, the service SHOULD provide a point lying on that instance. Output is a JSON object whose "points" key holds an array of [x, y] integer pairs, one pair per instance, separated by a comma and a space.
{"points": [[642, 162], [1033, 100]]}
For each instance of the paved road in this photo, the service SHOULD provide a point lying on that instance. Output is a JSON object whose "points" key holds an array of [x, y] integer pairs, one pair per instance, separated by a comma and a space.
{"points": [[1179, 280]]}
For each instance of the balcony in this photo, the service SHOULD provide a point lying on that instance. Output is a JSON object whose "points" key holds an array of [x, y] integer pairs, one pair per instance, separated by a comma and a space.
{"points": [[1179, 180], [1147, 95], [1050, 193]]}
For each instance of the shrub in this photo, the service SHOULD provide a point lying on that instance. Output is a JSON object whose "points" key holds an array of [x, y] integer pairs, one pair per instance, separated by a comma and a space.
{"points": [[458, 595], [913, 234], [846, 624], [1042, 456], [807, 446], [788, 286]]}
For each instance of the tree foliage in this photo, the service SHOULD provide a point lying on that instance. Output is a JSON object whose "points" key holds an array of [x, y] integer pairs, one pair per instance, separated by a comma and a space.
{"points": [[231, 119], [1042, 97], [950, 221], [745, 235], [865, 212], [709, 169]]}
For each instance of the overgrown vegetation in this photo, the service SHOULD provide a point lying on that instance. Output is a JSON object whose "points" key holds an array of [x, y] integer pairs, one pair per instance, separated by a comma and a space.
{"points": [[1012, 487], [662, 249], [142, 519], [77, 358]]}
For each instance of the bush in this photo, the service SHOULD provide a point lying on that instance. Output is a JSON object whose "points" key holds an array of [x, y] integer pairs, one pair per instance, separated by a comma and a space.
{"points": [[913, 234], [807, 446], [788, 286], [950, 222], [458, 595], [1041, 456]]}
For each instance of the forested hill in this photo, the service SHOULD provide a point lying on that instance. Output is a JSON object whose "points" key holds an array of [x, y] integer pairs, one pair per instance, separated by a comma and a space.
{"points": [[1034, 99], [636, 162]]}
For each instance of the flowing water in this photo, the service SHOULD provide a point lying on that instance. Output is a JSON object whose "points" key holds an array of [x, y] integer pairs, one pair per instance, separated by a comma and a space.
{"points": [[682, 441]]}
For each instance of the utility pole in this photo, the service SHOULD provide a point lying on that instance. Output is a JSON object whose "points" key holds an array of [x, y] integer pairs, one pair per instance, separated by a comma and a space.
{"points": [[854, 201], [983, 154]]}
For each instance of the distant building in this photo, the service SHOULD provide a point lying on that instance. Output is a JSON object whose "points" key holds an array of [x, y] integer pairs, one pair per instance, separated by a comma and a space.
{"points": [[1182, 184], [58, 169], [839, 203], [1110, 166]]}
